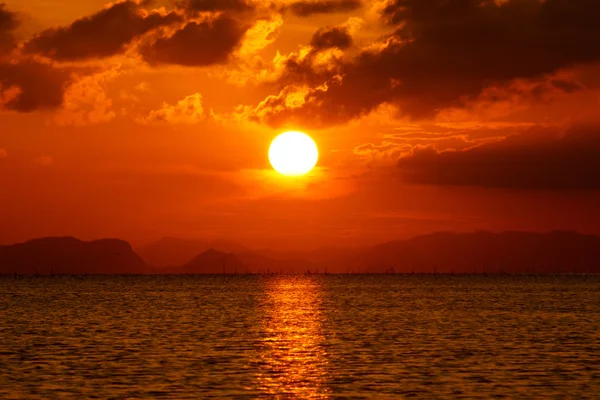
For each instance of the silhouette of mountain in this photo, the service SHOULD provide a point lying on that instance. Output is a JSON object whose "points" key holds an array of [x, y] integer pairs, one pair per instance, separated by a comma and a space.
{"points": [[212, 262], [67, 255], [443, 252], [480, 252], [169, 251]]}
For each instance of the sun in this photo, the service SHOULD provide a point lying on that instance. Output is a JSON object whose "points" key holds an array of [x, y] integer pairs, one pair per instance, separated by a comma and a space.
{"points": [[293, 153]]}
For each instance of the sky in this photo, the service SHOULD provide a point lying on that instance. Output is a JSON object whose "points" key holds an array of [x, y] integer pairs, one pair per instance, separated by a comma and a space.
{"points": [[144, 119]]}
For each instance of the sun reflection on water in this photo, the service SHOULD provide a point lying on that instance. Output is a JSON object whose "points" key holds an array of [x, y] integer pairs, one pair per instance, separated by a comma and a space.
{"points": [[293, 357]]}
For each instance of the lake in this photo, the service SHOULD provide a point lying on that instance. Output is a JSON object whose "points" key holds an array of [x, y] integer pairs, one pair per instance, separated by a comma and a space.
{"points": [[320, 336]]}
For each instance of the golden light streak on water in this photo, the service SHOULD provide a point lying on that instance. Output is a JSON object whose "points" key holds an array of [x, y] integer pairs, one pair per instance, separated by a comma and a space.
{"points": [[293, 352]]}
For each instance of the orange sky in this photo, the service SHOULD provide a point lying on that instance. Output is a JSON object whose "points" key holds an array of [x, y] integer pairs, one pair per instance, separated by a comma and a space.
{"points": [[146, 119]]}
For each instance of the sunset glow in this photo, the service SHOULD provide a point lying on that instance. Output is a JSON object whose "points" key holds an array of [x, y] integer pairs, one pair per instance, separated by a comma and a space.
{"points": [[299, 199], [143, 119]]}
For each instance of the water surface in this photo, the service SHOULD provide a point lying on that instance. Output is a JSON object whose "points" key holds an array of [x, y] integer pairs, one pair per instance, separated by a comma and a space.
{"points": [[328, 336]]}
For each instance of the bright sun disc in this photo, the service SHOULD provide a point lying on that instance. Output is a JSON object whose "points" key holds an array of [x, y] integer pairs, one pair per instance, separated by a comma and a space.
{"points": [[293, 153]]}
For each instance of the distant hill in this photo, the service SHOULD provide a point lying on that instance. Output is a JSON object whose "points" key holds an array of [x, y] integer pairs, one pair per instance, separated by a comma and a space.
{"points": [[67, 255], [443, 252], [510, 252], [211, 262], [217, 262], [170, 252]]}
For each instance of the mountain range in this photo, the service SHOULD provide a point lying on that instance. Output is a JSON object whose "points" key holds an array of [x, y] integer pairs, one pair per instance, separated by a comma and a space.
{"points": [[442, 252], [170, 251], [67, 255]]}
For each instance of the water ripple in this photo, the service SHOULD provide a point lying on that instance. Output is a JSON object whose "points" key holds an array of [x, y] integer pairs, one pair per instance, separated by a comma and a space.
{"points": [[300, 337]]}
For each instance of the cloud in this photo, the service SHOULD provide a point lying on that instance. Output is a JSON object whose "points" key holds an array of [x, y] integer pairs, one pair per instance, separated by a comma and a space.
{"points": [[326, 38], [216, 5], [537, 159], [8, 23], [44, 161], [86, 101], [566, 86], [27, 86], [442, 54], [281, 109], [386, 152], [259, 36], [142, 87], [103, 34], [308, 8], [246, 64], [210, 41], [186, 111], [315, 62]]}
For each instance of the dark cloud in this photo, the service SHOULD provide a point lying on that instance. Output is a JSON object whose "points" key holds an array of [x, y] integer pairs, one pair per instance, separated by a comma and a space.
{"points": [[102, 34], [302, 67], [309, 7], [326, 38], [198, 43], [532, 160], [566, 86], [8, 23], [444, 53], [37, 86], [27, 85], [216, 5]]}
